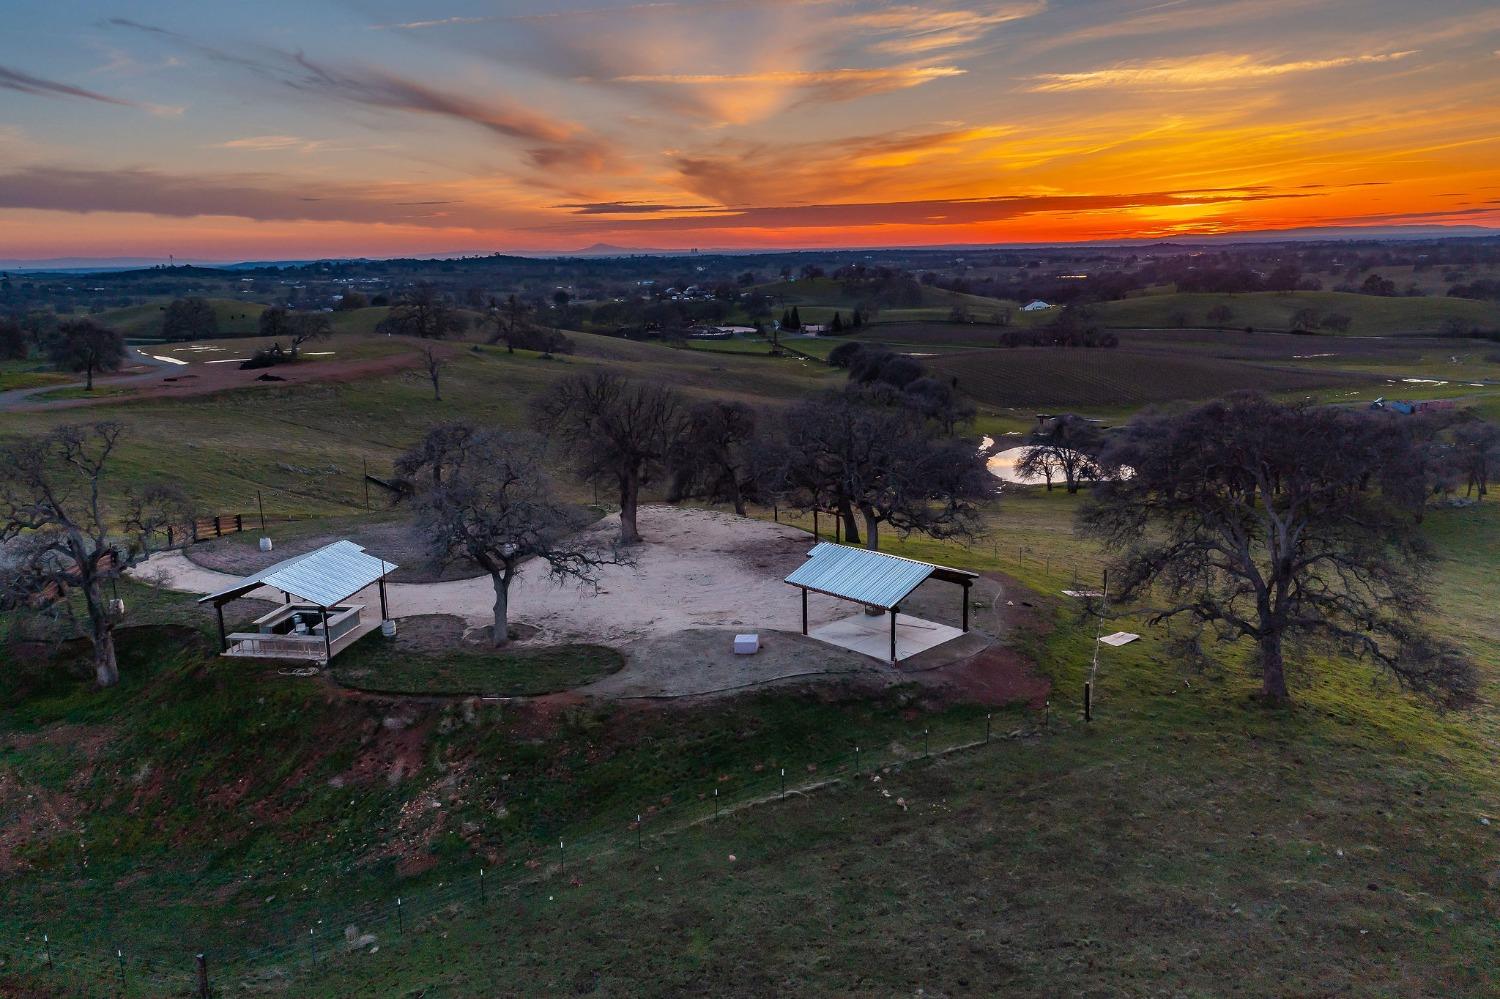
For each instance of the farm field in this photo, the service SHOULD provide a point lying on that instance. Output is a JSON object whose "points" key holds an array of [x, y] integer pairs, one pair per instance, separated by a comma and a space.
{"points": [[1115, 379], [1371, 315]]}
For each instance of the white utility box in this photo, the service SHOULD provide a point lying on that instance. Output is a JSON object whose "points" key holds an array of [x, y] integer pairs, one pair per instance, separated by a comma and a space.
{"points": [[265, 544], [746, 645], [388, 628]]}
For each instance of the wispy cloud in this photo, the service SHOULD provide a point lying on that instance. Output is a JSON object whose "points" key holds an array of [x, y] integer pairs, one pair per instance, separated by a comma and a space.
{"points": [[631, 208], [552, 142], [271, 143], [1214, 70], [947, 211], [25, 83], [250, 196], [916, 31]]}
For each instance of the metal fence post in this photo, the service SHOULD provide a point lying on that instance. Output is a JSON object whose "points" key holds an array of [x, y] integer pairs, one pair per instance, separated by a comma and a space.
{"points": [[562, 860], [483, 898], [47, 946], [400, 918], [783, 783], [716, 803], [202, 962], [987, 719], [637, 831], [120, 957]]}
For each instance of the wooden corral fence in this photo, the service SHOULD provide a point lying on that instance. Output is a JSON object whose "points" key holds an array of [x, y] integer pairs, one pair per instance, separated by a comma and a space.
{"points": [[204, 528]]}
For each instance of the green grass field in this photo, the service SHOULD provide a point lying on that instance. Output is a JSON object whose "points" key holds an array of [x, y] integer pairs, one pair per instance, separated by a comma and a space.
{"points": [[30, 374], [1370, 315], [144, 321], [1186, 839]]}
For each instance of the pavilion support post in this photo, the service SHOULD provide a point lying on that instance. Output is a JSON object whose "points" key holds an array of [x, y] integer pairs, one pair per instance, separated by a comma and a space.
{"points": [[327, 641], [804, 610], [966, 606], [223, 635], [385, 614], [894, 611]]}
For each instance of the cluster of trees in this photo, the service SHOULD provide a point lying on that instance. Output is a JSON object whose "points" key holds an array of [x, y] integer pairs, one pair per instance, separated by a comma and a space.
{"points": [[483, 495], [77, 345], [424, 312], [1074, 327], [1480, 288], [1066, 448], [189, 319], [512, 325], [884, 377]]}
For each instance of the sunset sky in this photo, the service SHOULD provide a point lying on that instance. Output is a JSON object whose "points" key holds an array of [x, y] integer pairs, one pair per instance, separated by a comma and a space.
{"points": [[309, 128]]}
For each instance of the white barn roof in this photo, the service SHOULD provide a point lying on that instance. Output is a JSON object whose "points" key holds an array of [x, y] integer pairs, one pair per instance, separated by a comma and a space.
{"points": [[324, 577], [872, 578]]}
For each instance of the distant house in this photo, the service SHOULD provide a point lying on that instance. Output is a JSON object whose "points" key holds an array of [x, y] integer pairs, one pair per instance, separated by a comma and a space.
{"points": [[1036, 305]]}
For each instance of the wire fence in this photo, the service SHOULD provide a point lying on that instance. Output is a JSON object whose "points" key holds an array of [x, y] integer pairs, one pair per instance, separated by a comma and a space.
{"points": [[310, 942]]}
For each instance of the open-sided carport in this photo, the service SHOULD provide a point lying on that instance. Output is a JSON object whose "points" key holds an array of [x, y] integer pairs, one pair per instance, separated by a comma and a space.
{"points": [[878, 580]]}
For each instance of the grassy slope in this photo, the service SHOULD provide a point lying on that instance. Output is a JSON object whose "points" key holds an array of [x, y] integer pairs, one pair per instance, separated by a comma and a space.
{"points": [[144, 321], [1186, 839], [1372, 316]]}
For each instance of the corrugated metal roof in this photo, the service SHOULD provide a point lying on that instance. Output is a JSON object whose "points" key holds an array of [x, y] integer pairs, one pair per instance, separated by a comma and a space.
{"points": [[872, 578], [324, 577]]}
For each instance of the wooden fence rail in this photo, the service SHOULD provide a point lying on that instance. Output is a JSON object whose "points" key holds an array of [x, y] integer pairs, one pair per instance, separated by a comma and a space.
{"points": [[204, 528]]}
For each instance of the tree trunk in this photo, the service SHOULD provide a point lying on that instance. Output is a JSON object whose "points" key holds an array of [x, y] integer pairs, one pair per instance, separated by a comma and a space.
{"points": [[851, 526], [89, 377], [500, 634], [739, 499], [872, 531], [106, 668], [630, 488], [1273, 672]]}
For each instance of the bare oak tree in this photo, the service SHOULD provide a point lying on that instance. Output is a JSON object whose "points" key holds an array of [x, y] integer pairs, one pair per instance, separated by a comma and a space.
{"points": [[59, 531], [496, 509], [715, 457], [620, 432], [1279, 523], [434, 360], [1065, 445]]}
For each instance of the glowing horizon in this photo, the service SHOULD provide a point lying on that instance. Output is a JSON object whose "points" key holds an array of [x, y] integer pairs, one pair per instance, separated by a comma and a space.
{"points": [[377, 128]]}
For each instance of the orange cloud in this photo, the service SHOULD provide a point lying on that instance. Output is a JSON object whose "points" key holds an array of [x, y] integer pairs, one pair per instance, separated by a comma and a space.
{"points": [[1199, 71]]}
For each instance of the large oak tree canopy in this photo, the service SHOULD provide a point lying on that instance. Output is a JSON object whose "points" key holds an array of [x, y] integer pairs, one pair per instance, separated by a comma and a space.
{"points": [[1280, 523]]}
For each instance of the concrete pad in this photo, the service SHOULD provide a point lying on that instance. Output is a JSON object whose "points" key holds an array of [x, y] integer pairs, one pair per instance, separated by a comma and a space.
{"points": [[871, 636]]}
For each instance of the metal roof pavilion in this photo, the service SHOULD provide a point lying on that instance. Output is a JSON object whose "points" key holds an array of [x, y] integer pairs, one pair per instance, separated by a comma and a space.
{"points": [[874, 579], [324, 577]]}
